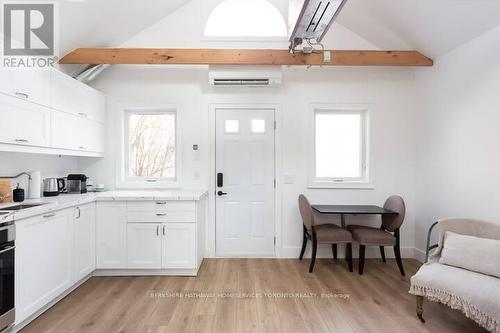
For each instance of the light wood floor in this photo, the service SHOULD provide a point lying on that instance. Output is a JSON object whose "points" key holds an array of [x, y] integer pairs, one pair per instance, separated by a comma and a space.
{"points": [[378, 301]]}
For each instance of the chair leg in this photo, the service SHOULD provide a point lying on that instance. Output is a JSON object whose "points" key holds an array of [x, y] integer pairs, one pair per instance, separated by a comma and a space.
{"points": [[397, 254], [382, 253], [420, 308], [304, 243], [361, 259], [334, 251], [314, 248], [348, 256]]}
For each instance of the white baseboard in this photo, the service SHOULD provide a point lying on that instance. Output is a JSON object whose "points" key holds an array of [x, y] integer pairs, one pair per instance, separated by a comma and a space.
{"points": [[325, 251], [419, 255], [145, 272]]}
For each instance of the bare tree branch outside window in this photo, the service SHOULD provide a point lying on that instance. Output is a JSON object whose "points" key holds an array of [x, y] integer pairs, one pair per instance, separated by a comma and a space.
{"points": [[152, 145]]}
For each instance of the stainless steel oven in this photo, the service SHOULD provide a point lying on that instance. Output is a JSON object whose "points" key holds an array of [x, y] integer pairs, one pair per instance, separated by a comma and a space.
{"points": [[7, 249]]}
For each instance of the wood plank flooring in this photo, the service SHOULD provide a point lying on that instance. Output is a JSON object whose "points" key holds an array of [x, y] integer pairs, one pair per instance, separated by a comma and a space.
{"points": [[253, 295]]}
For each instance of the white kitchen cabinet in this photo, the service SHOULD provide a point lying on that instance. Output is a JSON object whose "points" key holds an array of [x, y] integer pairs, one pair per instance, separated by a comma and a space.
{"points": [[84, 222], [179, 245], [43, 260], [111, 235], [144, 245], [28, 85], [70, 95], [23, 123], [76, 133]]}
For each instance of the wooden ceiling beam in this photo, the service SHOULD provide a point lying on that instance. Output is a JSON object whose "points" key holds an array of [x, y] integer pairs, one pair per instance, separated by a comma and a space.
{"points": [[242, 57]]}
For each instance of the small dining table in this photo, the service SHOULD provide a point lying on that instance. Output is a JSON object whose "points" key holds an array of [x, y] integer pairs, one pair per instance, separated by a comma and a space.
{"points": [[343, 210]]}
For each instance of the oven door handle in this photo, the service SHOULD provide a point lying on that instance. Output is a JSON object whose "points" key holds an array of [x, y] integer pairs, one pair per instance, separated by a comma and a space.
{"points": [[7, 249]]}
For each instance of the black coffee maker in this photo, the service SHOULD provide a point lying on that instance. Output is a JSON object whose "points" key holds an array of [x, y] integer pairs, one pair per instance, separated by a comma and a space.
{"points": [[77, 183]]}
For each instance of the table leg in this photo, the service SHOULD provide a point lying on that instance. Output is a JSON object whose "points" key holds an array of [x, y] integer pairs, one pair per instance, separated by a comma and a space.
{"points": [[342, 220]]}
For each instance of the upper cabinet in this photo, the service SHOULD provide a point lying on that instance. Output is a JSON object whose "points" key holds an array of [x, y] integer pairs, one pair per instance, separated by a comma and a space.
{"points": [[23, 123], [47, 111], [70, 95], [28, 85]]}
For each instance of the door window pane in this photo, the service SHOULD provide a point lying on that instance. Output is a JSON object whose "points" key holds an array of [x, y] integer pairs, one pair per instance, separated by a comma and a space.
{"points": [[258, 126], [232, 126]]}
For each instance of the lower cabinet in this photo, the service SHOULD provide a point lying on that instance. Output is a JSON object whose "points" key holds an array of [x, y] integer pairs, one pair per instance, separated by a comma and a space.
{"points": [[43, 260], [179, 245], [144, 244], [166, 246], [111, 235], [53, 252], [84, 241]]}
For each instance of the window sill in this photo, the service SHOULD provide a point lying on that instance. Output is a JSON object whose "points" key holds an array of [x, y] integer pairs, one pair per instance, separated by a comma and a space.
{"points": [[343, 185]]}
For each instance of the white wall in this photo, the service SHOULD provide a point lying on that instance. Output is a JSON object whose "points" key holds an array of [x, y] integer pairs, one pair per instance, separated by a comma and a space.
{"points": [[459, 135], [388, 91]]}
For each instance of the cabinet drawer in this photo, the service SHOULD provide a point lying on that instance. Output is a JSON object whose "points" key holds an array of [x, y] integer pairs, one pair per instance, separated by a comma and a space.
{"points": [[161, 211]]}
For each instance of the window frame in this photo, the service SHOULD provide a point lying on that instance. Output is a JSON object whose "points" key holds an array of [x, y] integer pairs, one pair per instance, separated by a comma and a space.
{"points": [[363, 182], [124, 180]]}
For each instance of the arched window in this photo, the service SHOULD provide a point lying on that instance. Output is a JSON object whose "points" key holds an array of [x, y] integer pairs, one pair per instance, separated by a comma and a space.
{"points": [[244, 18]]}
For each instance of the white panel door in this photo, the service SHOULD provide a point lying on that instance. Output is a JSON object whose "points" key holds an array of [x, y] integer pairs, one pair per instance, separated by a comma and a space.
{"points": [[245, 194], [84, 245], [178, 245], [143, 245]]}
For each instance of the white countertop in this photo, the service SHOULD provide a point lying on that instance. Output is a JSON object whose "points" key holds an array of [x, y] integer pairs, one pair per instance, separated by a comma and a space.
{"points": [[48, 204]]}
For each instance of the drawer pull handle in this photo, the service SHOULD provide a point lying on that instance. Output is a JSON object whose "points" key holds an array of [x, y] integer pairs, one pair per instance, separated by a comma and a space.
{"points": [[82, 148], [22, 95], [49, 215], [83, 114], [161, 202], [161, 214], [163, 230], [21, 140], [157, 230]]}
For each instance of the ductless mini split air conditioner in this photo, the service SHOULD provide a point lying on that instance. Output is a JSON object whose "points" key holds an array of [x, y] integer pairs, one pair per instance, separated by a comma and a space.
{"points": [[244, 77]]}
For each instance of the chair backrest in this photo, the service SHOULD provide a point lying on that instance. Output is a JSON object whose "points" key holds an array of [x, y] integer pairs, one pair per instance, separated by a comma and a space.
{"points": [[464, 226], [306, 212], [394, 222]]}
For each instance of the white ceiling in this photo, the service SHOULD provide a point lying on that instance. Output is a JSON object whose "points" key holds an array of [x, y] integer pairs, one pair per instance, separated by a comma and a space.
{"points": [[107, 23], [433, 27]]}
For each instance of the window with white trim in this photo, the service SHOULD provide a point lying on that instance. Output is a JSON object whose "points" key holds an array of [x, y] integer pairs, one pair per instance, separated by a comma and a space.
{"points": [[340, 150], [150, 147]]}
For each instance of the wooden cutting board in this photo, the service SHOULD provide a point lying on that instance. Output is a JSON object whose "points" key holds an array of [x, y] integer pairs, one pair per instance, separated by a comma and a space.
{"points": [[5, 190]]}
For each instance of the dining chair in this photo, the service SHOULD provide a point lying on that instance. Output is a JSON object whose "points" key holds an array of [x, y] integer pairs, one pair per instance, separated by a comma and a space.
{"points": [[322, 234], [387, 235]]}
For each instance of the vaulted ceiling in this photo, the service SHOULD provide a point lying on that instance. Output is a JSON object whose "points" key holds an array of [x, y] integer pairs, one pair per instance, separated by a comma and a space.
{"points": [[433, 27]]}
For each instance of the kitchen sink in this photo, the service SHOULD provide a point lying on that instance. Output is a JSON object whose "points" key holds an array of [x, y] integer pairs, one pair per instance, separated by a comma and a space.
{"points": [[19, 207]]}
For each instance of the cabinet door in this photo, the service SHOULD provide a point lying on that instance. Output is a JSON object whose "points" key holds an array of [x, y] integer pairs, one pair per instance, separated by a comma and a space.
{"points": [[84, 244], [76, 133], [28, 85], [179, 245], [70, 95], [23, 123], [143, 245], [111, 235], [44, 247]]}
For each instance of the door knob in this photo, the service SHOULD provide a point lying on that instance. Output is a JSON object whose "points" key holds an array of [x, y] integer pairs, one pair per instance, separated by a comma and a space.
{"points": [[220, 193]]}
